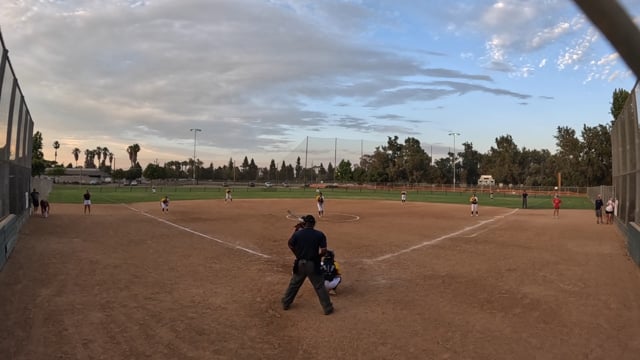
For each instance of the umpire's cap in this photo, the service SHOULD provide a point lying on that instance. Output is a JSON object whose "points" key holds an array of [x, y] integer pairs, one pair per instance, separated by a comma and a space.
{"points": [[309, 220]]}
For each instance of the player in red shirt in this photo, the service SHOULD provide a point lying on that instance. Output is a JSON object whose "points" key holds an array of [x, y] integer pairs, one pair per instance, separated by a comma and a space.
{"points": [[556, 206]]}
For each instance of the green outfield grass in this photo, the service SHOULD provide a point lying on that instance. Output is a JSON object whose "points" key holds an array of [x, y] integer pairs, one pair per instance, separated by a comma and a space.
{"points": [[133, 194]]}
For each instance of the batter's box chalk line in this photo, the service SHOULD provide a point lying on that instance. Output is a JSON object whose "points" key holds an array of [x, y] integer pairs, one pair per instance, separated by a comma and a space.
{"points": [[443, 237], [233, 246]]}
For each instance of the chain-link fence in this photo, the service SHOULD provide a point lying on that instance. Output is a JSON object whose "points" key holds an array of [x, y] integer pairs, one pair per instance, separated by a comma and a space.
{"points": [[16, 136], [625, 142]]}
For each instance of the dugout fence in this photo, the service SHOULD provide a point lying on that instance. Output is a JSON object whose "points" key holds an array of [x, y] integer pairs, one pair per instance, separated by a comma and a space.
{"points": [[625, 143], [16, 137]]}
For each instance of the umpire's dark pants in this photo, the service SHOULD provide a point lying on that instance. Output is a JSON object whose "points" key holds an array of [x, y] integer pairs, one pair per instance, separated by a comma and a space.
{"points": [[307, 268]]}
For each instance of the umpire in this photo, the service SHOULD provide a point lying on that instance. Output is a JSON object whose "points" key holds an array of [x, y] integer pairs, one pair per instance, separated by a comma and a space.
{"points": [[309, 246]]}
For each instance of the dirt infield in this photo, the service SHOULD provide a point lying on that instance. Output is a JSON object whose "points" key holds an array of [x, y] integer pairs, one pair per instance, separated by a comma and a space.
{"points": [[422, 281]]}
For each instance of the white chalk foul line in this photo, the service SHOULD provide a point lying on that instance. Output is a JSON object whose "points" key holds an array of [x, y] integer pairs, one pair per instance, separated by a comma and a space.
{"points": [[199, 233], [443, 237]]}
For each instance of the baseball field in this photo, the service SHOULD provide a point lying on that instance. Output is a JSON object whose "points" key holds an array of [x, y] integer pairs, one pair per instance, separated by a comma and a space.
{"points": [[421, 281]]}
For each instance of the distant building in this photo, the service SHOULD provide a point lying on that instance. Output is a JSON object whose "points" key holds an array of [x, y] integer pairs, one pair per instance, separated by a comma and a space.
{"points": [[81, 176], [486, 180]]}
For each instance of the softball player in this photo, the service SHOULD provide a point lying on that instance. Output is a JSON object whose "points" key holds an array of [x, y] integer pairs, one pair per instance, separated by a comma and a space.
{"points": [[320, 202], [164, 203], [331, 272], [474, 204]]}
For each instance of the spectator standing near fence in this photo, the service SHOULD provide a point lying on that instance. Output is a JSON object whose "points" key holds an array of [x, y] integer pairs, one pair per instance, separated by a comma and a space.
{"points": [[609, 211], [44, 208], [599, 204], [35, 200], [525, 195]]}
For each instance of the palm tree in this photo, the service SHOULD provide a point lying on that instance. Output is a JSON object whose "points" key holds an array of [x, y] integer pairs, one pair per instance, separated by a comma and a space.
{"points": [[56, 145], [133, 151], [98, 153], [93, 158], [111, 160], [87, 155], [76, 154], [105, 153]]}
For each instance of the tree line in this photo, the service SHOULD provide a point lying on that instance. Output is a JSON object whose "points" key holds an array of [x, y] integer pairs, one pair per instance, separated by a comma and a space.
{"points": [[581, 160]]}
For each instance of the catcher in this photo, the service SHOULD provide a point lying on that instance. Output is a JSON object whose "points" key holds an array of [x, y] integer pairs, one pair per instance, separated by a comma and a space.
{"points": [[331, 272]]}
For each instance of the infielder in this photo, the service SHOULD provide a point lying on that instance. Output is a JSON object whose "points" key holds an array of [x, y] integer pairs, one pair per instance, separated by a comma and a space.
{"points": [[474, 204], [320, 203], [164, 203], [227, 196]]}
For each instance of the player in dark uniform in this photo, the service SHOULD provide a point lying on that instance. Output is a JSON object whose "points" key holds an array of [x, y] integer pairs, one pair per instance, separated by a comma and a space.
{"points": [[35, 200], [599, 204], [87, 202], [44, 208], [309, 246]]}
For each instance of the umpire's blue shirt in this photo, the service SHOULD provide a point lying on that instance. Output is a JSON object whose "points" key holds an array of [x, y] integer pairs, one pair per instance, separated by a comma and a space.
{"points": [[306, 243]]}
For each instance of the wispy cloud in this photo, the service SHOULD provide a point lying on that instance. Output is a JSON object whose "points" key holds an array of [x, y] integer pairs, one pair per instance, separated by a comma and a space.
{"points": [[258, 75]]}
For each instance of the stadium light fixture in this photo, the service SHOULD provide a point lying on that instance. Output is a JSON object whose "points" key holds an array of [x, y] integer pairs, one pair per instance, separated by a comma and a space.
{"points": [[195, 133], [454, 134]]}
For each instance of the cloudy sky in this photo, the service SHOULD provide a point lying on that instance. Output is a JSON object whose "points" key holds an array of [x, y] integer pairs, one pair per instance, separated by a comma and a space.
{"points": [[260, 76]]}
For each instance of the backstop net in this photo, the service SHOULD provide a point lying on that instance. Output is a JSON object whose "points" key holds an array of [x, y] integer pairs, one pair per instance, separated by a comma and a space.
{"points": [[314, 151], [16, 137], [625, 142]]}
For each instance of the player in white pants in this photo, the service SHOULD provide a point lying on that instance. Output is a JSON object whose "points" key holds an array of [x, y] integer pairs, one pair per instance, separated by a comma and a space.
{"points": [[331, 272], [474, 204]]}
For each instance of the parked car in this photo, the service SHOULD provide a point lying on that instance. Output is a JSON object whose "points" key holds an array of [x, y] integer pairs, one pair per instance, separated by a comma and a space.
{"points": [[268, 184], [252, 184], [134, 183]]}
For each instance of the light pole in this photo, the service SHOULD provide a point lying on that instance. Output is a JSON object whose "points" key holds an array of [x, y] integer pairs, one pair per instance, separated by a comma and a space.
{"points": [[454, 158], [195, 133]]}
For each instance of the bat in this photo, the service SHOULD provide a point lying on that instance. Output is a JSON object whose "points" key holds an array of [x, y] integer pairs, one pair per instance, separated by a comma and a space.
{"points": [[294, 215]]}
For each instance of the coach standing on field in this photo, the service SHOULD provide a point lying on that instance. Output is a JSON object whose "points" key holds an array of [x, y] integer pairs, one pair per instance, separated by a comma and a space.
{"points": [[309, 246]]}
